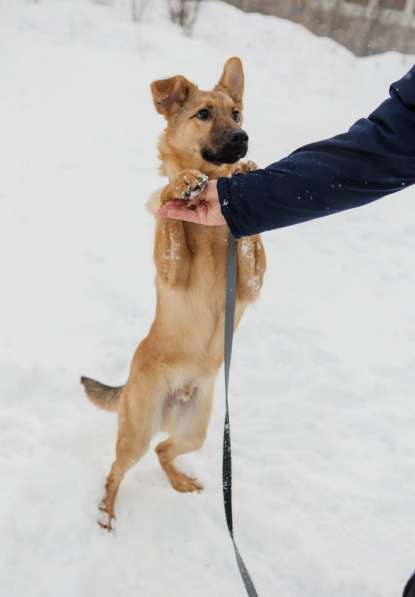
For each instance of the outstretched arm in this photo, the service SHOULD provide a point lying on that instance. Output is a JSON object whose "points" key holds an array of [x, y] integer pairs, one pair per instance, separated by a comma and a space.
{"points": [[376, 157]]}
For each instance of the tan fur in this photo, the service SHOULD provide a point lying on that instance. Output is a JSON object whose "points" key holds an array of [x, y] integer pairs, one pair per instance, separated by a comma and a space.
{"points": [[170, 385]]}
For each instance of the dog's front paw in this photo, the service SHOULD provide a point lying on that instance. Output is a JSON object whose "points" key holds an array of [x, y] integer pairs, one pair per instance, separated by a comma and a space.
{"points": [[186, 186], [192, 183], [245, 167]]}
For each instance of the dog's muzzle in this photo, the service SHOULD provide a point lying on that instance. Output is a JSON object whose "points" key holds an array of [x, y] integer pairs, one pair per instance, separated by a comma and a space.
{"points": [[233, 148]]}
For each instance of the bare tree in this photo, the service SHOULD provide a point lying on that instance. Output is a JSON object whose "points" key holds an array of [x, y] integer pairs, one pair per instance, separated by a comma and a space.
{"points": [[137, 9], [184, 13], [134, 10]]}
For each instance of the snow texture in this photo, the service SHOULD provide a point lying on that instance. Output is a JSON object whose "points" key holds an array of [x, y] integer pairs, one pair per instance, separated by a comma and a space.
{"points": [[322, 385]]}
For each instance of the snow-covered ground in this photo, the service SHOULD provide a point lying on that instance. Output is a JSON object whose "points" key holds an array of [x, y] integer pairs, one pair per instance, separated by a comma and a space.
{"points": [[323, 373]]}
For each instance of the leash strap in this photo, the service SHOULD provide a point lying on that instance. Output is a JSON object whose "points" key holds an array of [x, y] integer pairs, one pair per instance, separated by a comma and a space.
{"points": [[409, 590], [231, 280]]}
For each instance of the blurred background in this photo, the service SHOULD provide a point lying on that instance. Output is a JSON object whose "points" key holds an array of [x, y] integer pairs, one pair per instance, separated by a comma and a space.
{"points": [[364, 26]]}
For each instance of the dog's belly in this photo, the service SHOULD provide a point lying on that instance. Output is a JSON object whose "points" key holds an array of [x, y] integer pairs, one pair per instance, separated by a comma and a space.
{"points": [[181, 395], [182, 408]]}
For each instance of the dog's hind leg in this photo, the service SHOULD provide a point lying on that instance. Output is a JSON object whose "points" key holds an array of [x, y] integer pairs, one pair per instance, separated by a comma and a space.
{"points": [[139, 416], [187, 435]]}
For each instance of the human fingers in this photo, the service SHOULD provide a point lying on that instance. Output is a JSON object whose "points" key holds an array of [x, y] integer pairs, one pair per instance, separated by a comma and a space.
{"points": [[175, 210]]}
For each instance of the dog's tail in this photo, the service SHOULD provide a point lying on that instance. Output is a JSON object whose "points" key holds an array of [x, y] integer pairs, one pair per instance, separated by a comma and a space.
{"points": [[105, 397]]}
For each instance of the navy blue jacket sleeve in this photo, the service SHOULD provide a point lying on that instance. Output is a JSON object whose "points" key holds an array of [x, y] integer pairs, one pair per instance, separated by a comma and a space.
{"points": [[374, 158]]}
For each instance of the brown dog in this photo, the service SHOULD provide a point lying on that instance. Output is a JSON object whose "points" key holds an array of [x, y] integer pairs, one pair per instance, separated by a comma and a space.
{"points": [[170, 385]]}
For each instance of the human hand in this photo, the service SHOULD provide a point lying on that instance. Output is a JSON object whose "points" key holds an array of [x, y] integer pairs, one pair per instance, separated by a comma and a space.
{"points": [[204, 208]]}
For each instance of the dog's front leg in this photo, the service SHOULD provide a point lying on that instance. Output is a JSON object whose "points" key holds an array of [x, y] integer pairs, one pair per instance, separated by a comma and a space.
{"points": [[171, 252], [251, 267], [251, 254]]}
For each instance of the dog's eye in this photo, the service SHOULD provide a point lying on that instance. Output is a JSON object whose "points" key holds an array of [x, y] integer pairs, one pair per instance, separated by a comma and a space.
{"points": [[236, 116], [203, 114]]}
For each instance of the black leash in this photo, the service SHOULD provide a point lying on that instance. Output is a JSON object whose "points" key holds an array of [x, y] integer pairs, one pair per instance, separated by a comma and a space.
{"points": [[409, 590], [231, 280]]}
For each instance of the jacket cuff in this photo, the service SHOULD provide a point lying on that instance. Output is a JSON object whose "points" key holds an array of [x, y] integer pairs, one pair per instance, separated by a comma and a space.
{"points": [[228, 212]]}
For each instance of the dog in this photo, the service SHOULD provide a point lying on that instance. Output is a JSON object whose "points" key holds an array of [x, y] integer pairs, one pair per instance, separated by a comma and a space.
{"points": [[172, 374]]}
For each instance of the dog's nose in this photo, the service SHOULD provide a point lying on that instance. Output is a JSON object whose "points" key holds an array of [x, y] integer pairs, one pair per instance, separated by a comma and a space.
{"points": [[238, 137]]}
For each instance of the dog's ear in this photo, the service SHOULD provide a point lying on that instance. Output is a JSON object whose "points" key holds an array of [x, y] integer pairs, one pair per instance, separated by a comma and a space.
{"points": [[170, 94], [232, 79]]}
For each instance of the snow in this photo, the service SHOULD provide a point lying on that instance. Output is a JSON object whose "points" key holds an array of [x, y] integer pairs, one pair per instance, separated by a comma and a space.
{"points": [[323, 370]]}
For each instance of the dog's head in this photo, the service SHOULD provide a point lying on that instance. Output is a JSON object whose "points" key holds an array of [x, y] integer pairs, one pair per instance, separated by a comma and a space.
{"points": [[204, 126]]}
